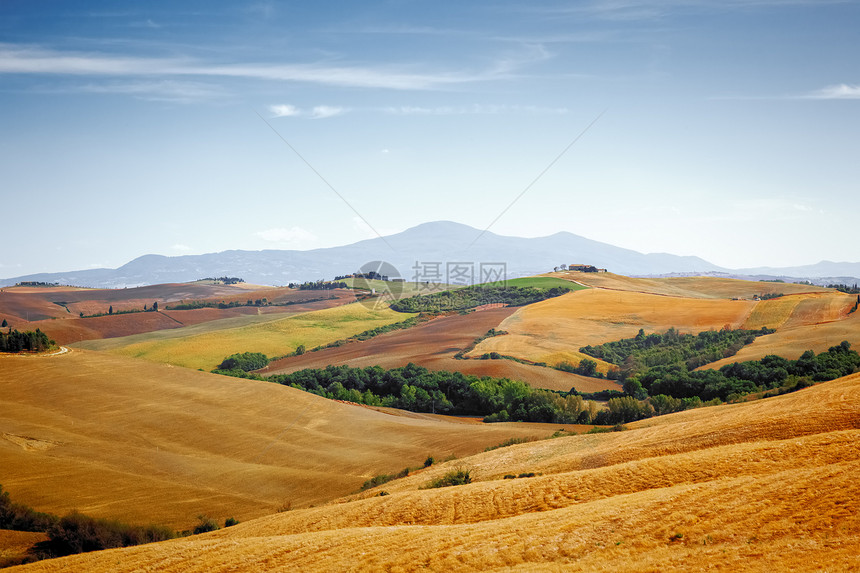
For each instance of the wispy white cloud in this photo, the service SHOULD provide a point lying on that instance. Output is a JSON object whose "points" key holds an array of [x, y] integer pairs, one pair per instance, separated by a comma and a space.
{"points": [[317, 112], [159, 90], [324, 111], [181, 248], [16, 59], [839, 91], [284, 110]]}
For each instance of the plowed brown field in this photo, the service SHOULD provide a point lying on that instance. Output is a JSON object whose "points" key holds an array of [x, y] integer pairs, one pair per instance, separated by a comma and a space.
{"points": [[30, 308], [433, 345], [763, 486]]}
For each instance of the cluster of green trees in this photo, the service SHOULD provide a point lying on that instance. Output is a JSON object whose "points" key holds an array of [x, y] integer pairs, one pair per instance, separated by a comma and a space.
{"points": [[585, 367], [418, 389], [79, 533], [224, 280], [28, 341], [319, 285], [770, 295], [245, 361], [853, 289], [36, 284], [634, 355], [474, 296], [195, 304], [735, 380]]}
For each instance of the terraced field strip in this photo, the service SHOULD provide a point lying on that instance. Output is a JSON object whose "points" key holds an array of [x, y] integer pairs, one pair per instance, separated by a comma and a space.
{"points": [[272, 337], [553, 330]]}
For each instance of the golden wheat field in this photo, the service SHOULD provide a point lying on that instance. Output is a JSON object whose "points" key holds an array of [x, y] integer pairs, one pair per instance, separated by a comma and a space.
{"points": [[763, 486], [553, 330], [691, 287], [150, 443], [206, 350]]}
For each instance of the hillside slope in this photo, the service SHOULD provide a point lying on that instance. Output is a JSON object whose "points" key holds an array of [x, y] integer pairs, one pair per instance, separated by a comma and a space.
{"points": [[763, 486], [149, 443]]}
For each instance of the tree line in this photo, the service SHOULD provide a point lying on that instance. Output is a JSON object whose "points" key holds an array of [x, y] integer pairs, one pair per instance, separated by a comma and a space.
{"points": [[474, 296], [79, 533], [223, 280], [319, 285], [28, 341], [634, 355], [418, 389]]}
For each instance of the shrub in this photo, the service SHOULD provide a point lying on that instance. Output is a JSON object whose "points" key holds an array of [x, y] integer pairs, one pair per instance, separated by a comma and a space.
{"points": [[245, 361], [22, 518], [204, 525], [78, 533], [429, 461], [459, 476], [230, 522]]}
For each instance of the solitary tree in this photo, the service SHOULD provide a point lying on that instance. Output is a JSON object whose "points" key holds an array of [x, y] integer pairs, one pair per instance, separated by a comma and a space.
{"points": [[110, 309], [155, 306], [5, 324]]}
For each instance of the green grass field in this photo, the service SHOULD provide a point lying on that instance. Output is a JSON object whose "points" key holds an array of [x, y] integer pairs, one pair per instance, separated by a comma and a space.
{"points": [[538, 282], [206, 349]]}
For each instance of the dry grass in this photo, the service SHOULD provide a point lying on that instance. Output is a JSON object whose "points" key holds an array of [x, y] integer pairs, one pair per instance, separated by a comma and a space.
{"points": [[273, 337], [765, 486], [146, 443], [815, 323], [553, 330], [691, 287]]}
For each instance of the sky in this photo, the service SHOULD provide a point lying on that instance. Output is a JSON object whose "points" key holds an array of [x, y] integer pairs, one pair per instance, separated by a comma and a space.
{"points": [[725, 129]]}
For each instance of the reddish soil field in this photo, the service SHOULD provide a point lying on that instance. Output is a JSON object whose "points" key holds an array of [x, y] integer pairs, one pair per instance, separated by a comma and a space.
{"points": [[66, 327], [433, 345]]}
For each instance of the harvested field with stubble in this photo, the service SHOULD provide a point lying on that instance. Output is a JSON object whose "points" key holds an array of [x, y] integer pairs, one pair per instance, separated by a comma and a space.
{"points": [[433, 346], [205, 346], [763, 486], [553, 330], [149, 443], [811, 323], [690, 287], [56, 310]]}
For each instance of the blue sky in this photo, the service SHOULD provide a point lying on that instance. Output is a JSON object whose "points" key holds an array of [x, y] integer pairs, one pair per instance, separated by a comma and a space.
{"points": [[728, 128]]}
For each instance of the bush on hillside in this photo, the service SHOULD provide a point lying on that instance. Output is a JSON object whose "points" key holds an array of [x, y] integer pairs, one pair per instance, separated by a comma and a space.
{"points": [[245, 361], [459, 476]]}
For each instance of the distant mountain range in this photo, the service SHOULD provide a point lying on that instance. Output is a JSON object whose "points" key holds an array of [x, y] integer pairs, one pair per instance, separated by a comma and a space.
{"points": [[441, 251]]}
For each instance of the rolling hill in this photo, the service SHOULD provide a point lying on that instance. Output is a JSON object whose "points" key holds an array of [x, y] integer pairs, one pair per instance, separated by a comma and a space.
{"points": [[763, 486], [805, 318], [149, 443]]}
